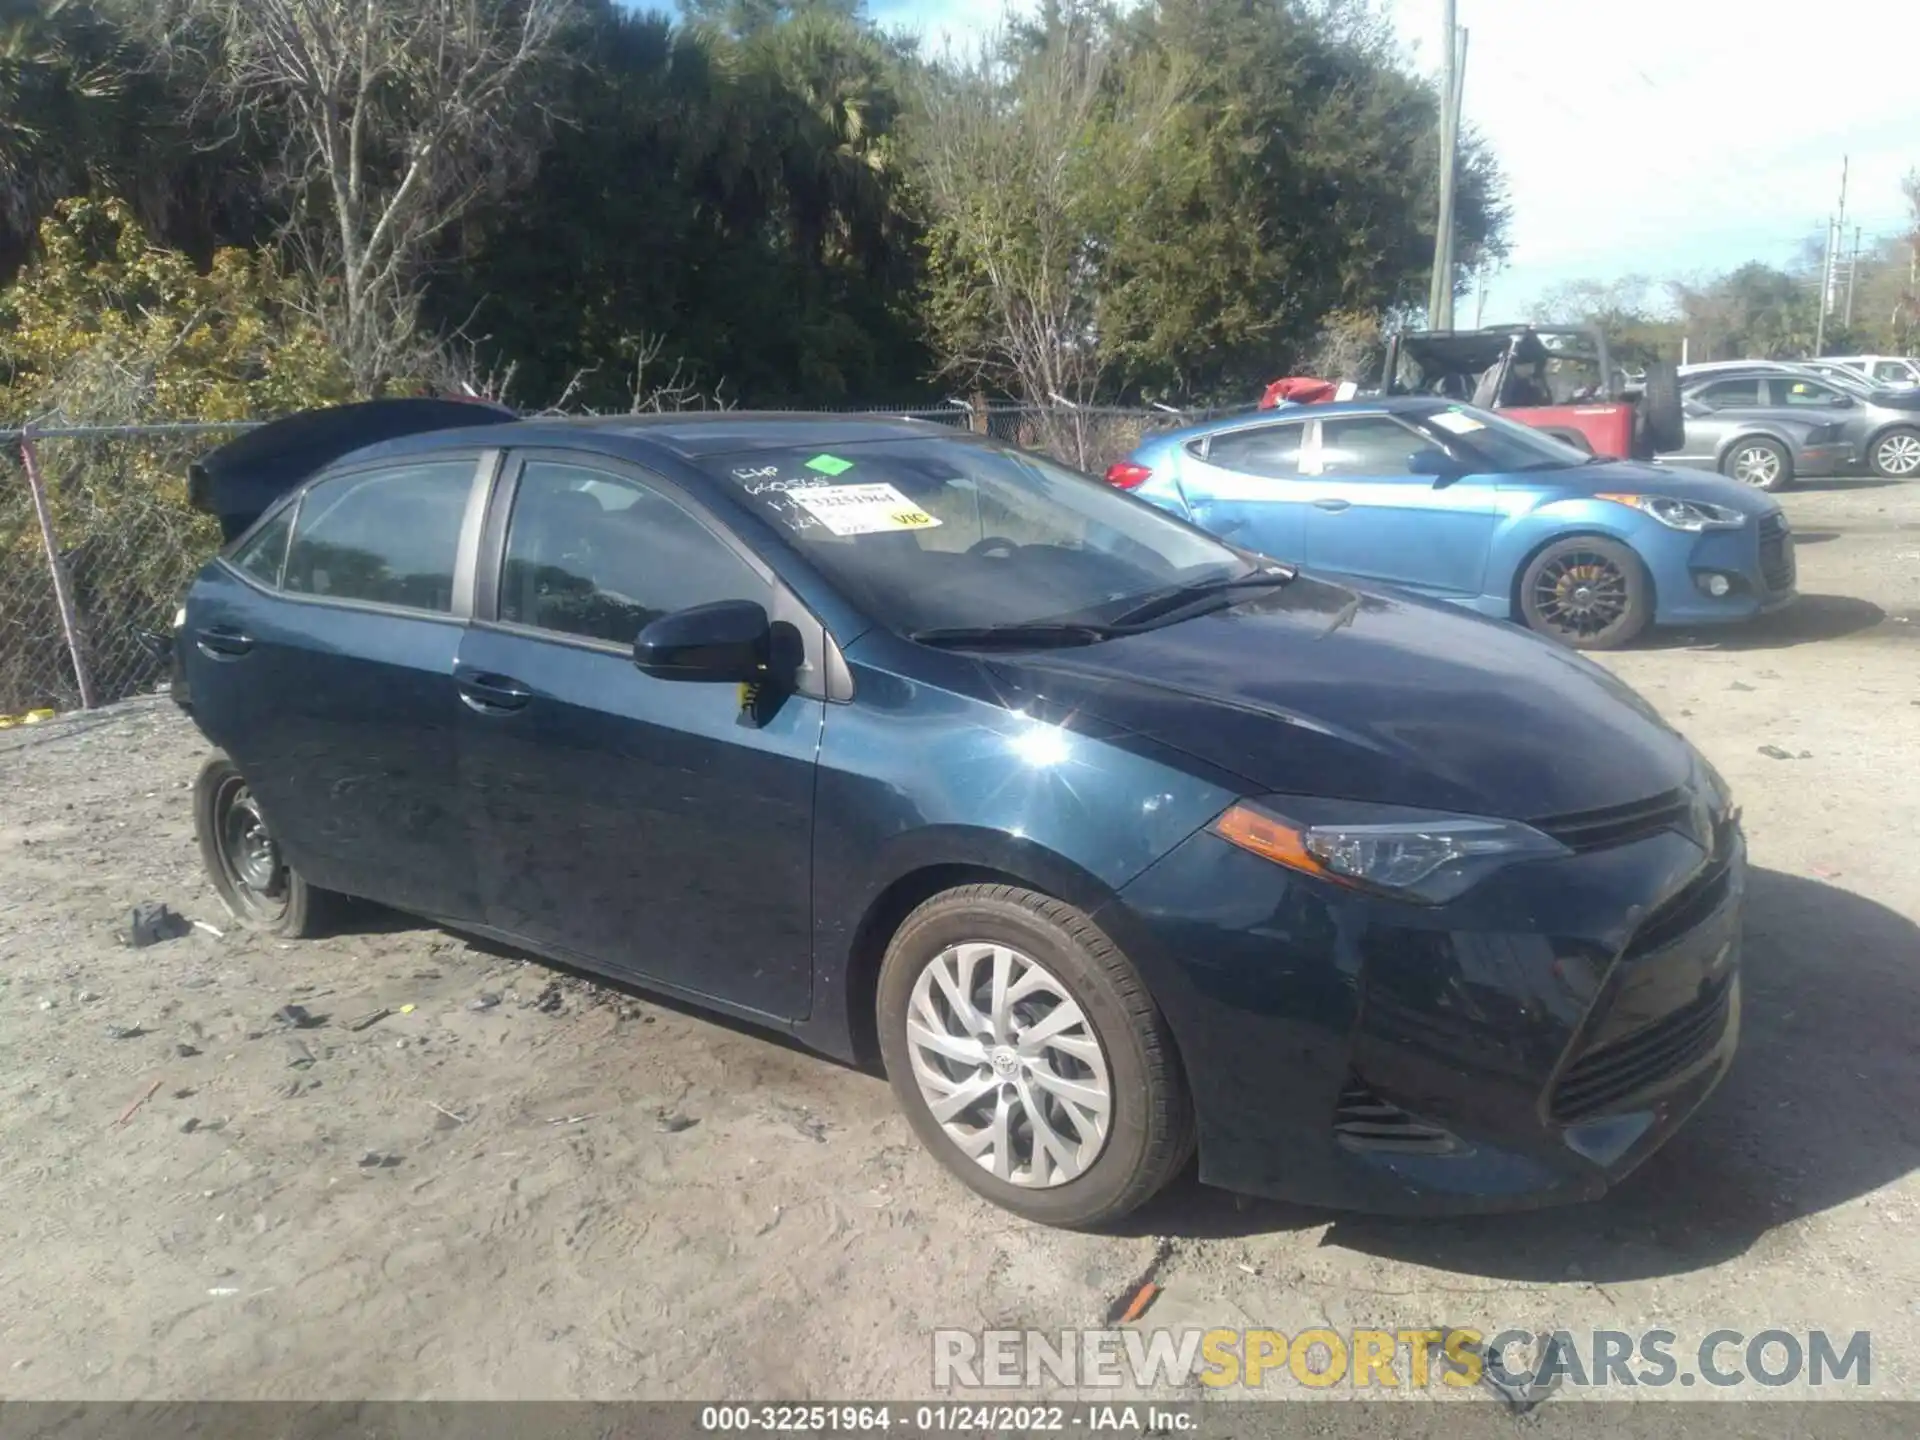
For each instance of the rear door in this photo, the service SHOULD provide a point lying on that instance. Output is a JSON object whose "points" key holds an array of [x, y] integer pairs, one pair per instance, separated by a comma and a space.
{"points": [[321, 659], [1371, 515], [1245, 486], [658, 829], [1715, 413]]}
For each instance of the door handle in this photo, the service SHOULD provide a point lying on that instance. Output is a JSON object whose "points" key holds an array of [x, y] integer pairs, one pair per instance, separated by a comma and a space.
{"points": [[1333, 506], [489, 694], [223, 642]]}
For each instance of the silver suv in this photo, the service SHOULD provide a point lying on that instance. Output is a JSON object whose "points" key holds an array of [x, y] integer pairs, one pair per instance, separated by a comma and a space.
{"points": [[1767, 423]]}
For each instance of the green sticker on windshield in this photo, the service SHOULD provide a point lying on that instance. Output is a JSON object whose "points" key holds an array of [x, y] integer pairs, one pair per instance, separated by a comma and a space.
{"points": [[829, 464]]}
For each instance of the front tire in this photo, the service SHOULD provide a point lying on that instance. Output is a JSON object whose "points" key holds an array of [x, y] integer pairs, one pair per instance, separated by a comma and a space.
{"points": [[1896, 454], [1760, 463], [1029, 1057], [1590, 593], [260, 890]]}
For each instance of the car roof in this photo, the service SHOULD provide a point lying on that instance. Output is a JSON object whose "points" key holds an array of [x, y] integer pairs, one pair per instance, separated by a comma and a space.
{"points": [[690, 435], [1362, 405]]}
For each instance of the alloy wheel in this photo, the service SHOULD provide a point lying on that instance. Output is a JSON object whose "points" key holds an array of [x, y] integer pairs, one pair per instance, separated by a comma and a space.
{"points": [[1009, 1065], [1581, 593], [1757, 465], [1898, 455]]}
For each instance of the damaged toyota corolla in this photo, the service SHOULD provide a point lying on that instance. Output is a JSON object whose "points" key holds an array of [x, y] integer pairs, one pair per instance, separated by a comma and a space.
{"points": [[1111, 841]]}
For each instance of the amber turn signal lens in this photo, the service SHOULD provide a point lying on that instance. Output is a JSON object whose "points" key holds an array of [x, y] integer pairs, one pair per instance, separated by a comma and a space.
{"points": [[1268, 838]]}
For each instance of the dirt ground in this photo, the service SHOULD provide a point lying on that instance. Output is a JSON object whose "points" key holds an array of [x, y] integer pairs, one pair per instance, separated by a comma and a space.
{"points": [[577, 1192]]}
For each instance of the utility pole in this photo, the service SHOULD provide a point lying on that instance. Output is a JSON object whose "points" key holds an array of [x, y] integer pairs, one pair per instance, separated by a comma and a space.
{"points": [[1440, 288], [1853, 272], [1480, 295], [1826, 294]]}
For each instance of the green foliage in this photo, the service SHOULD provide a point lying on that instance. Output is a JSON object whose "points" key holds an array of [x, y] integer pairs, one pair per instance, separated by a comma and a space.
{"points": [[106, 328]]}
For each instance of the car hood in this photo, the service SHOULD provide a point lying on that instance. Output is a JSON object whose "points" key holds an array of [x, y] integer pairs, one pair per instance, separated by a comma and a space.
{"points": [[1634, 477], [1320, 689]]}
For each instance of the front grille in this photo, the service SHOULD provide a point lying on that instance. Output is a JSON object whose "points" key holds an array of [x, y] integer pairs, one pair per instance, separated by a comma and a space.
{"points": [[1602, 1078], [1363, 1121], [1679, 914], [1776, 552], [1619, 824]]}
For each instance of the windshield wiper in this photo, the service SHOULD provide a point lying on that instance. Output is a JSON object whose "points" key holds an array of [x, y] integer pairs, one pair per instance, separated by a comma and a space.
{"points": [[1035, 635], [1168, 602]]}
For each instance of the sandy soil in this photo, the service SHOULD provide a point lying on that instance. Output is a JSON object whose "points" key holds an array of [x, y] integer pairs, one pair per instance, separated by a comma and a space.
{"points": [[583, 1193]]}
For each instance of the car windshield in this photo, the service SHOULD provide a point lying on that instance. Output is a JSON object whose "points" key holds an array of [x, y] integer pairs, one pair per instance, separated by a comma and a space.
{"points": [[945, 533], [1495, 444]]}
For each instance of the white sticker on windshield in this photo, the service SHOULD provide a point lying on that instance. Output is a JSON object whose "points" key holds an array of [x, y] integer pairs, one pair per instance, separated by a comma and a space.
{"points": [[1456, 423], [862, 509]]}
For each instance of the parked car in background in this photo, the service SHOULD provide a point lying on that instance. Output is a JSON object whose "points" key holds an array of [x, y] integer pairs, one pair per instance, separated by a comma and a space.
{"points": [[1113, 841], [1769, 422], [1893, 371], [1467, 506]]}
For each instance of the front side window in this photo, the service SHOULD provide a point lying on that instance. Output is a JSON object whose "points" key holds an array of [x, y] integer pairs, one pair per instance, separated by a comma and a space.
{"points": [[1804, 392], [931, 533], [389, 537], [1372, 446], [1269, 450], [601, 556]]}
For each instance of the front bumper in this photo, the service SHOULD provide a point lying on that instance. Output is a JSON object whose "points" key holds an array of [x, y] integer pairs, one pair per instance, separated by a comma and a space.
{"points": [[1529, 1044], [1757, 562]]}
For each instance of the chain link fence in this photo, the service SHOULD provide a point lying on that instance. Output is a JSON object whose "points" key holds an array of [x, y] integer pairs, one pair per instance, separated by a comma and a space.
{"points": [[98, 544]]}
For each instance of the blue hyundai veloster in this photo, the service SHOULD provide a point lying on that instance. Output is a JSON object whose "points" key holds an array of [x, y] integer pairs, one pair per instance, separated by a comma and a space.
{"points": [[1467, 506], [1110, 840]]}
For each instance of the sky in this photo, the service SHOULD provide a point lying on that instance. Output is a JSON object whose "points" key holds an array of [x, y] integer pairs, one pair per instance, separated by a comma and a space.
{"points": [[1667, 138]]}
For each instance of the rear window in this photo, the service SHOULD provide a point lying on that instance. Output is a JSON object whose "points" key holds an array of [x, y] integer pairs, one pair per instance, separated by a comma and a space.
{"points": [[388, 537]]}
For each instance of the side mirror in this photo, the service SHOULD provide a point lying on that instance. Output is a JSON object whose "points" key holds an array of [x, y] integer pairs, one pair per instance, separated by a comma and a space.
{"points": [[726, 641], [1435, 462]]}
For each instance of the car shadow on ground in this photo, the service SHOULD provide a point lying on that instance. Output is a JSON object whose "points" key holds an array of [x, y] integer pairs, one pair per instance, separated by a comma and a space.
{"points": [[1808, 619], [1818, 1109]]}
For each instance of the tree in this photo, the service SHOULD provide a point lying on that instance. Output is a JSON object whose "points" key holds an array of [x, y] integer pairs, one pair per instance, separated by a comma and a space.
{"points": [[1754, 312], [1027, 158], [399, 116]]}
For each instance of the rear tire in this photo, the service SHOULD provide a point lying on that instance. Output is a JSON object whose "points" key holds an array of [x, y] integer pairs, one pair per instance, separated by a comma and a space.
{"points": [[1007, 1128], [1896, 454], [260, 890], [1590, 593], [1760, 463]]}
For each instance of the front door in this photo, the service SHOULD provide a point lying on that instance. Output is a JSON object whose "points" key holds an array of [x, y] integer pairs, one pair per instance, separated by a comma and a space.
{"points": [[1371, 516], [326, 674], [1244, 486], [653, 828]]}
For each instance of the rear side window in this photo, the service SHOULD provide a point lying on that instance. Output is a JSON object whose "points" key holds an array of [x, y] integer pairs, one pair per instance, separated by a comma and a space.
{"points": [[385, 536], [1724, 394], [260, 556], [1803, 392], [1272, 450], [601, 556]]}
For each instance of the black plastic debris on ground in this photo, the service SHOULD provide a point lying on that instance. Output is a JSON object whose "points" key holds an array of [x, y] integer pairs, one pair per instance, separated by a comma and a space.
{"points": [[299, 1017], [549, 1000], [150, 922]]}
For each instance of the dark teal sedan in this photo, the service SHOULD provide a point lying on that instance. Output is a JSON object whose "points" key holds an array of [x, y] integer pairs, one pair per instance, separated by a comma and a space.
{"points": [[1110, 840]]}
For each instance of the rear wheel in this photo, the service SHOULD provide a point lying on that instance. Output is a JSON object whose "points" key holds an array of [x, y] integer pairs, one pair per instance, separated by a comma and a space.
{"points": [[243, 860], [1029, 1058], [1896, 454], [1757, 461], [1590, 593]]}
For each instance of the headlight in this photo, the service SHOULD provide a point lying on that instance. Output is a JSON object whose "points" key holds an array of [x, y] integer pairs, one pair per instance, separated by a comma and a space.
{"points": [[1682, 514], [1416, 855]]}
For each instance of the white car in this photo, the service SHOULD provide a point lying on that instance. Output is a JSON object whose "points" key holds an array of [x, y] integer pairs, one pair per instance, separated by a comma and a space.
{"points": [[1892, 371]]}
